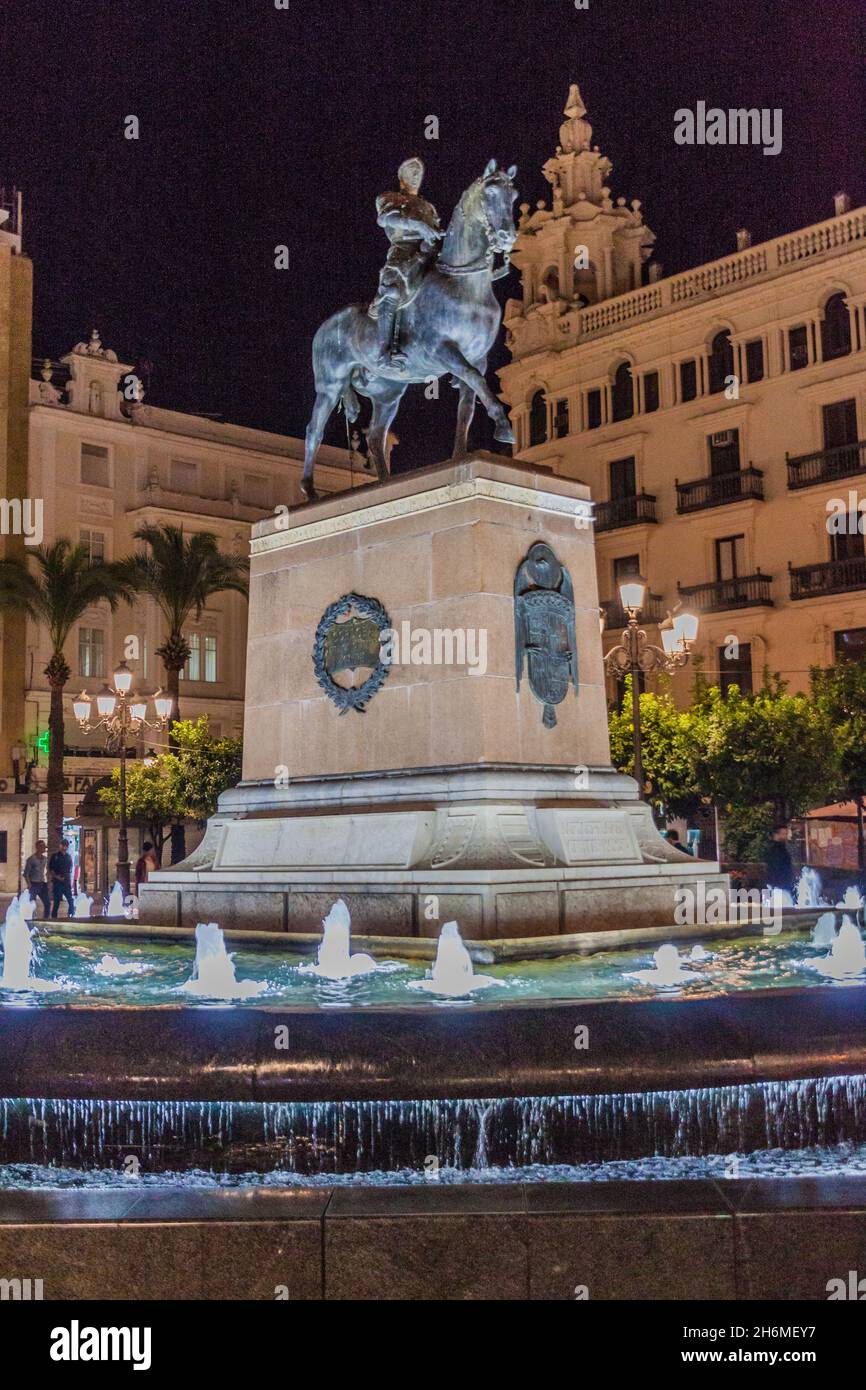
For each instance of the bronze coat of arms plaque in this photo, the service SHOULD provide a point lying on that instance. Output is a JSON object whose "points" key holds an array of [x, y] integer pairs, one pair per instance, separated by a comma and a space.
{"points": [[544, 631], [350, 637]]}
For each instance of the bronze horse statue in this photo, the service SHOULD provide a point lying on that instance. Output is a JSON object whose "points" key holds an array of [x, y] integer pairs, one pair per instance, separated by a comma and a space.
{"points": [[449, 327]]}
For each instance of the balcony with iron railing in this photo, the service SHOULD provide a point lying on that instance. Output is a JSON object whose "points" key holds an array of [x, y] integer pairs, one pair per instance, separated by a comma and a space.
{"points": [[785, 254], [746, 484], [745, 591], [828, 577], [625, 511], [826, 465], [615, 616]]}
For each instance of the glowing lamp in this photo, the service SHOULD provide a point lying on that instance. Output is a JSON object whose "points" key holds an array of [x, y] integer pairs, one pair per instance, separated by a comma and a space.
{"points": [[163, 705], [106, 702], [632, 592], [81, 706], [686, 627], [122, 679]]}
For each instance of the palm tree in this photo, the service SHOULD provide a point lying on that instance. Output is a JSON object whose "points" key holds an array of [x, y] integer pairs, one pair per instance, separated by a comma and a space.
{"points": [[180, 573], [64, 584]]}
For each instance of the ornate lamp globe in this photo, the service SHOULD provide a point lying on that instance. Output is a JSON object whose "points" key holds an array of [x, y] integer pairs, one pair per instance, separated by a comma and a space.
{"points": [[686, 628], [81, 707], [163, 704], [106, 702], [632, 592], [122, 679]]}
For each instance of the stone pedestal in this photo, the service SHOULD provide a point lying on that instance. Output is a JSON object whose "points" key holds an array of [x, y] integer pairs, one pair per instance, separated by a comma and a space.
{"points": [[449, 796]]}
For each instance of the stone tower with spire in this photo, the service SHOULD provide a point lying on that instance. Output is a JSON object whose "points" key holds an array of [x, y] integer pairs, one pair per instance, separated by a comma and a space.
{"points": [[582, 248]]}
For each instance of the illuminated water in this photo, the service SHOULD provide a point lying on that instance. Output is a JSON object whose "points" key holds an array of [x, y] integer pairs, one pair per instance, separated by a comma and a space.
{"points": [[840, 1160], [334, 960], [116, 900], [657, 1132], [748, 962], [847, 958], [453, 974], [213, 971], [18, 957], [667, 970]]}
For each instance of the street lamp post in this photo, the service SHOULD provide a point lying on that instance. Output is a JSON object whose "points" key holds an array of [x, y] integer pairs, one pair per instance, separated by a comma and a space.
{"points": [[120, 713], [635, 656]]}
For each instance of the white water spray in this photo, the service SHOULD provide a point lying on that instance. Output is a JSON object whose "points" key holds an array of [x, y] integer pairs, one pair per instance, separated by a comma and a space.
{"points": [[667, 970], [111, 966], [847, 958], [335, 960], [18, 955], [213, 974], [453, 973], [808, 890], [114, 906]]}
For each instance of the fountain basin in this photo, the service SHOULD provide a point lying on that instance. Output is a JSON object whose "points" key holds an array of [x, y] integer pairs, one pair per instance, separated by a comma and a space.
{"points": [[467, 1050]]}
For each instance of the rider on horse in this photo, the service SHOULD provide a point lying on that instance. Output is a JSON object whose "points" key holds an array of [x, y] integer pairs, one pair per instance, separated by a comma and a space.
{"points": [[412, 227]]}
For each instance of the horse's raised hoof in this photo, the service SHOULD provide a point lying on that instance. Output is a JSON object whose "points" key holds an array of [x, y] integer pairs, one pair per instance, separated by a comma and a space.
{"points": [[504, 434], [308, 490]]}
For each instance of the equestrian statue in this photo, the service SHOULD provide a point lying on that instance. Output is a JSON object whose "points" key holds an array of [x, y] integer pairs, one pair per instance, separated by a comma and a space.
{"points": [[435, 313]]}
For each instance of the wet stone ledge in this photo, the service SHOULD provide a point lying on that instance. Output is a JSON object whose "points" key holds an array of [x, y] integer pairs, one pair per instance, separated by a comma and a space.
{"points": [[464, 1051], [758, 1240]]}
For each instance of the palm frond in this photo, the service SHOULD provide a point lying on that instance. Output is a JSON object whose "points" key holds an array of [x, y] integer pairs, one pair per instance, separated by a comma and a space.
{"points": [[60, 587]]}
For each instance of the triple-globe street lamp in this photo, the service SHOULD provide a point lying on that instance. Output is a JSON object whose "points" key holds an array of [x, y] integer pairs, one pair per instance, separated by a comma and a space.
{"points": [[636, 656], [120, 713]]}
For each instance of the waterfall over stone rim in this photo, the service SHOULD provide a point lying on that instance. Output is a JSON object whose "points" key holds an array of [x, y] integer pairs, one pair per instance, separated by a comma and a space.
{"points": [[225, 1137]]}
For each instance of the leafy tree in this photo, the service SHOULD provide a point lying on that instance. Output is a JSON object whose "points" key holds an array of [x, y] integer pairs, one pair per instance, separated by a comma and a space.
{"points": [[152, 798], [768, 748], [206, 766], [668, 740], [839, 693], [184, 783], [61, 585], [748, 830], [757, 757]]}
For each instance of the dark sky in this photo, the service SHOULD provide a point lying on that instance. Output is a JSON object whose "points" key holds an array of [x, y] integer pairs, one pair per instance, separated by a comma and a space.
{"points": [[262, 126]]}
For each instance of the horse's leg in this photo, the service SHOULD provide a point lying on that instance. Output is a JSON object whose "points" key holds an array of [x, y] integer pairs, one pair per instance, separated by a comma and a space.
{"points": [[386, 403], [452, 359], [465, 412], [326, 401]]}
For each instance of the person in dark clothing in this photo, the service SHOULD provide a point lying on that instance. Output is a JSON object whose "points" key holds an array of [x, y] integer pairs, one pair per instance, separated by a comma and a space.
{"points": [[60, 869], [673, 838], [34, 877], [145, 865], [780, 865]]}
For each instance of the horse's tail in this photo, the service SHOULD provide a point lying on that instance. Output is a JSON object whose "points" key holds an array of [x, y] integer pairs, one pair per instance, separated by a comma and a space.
{"points": [[351, 404]]}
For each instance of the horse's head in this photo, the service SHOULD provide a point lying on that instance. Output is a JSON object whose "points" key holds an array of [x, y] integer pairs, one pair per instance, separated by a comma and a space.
{"points": [[497, 198]]}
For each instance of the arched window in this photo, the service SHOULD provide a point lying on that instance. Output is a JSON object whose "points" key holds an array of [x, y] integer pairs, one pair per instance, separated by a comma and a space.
{"points": [[623, 393], [835, 329], [538, 419], [721, 362], [550, 284]]}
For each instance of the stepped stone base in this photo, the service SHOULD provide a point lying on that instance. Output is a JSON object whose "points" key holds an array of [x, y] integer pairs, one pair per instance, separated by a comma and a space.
{"points": [[506, 851]]}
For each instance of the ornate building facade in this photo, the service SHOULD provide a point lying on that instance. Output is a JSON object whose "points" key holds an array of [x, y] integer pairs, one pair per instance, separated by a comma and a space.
{"points": [[103, 462], [16, 296], [718, 415]]}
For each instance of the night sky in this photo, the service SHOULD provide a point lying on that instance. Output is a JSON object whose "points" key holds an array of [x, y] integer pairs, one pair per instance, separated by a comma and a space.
{"points": [[262, 126]]}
